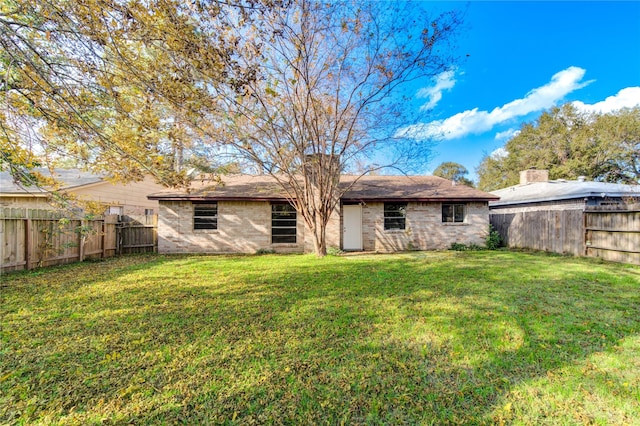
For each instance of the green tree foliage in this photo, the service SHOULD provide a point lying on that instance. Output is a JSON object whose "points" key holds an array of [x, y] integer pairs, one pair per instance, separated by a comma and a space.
{"points": [[453, 171], [493, 173], [569, 143], [119, 87], [620, 132]]}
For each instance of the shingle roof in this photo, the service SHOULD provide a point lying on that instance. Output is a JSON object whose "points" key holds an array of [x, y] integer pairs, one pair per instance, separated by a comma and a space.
{"points": [[556, 190], [236, 187], [410, 188], [71, 178], [365, 188]]}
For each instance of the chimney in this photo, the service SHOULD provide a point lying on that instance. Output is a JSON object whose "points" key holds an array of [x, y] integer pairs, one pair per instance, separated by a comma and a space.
{"points": [[533, 175], [318, 165]]}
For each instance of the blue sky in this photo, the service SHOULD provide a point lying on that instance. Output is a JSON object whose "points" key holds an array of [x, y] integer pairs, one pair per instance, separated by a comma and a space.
{"points": [[524, 58]]}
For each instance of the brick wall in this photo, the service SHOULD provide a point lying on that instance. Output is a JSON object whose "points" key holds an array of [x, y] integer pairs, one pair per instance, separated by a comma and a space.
{"points": [[245, 227], [424, 228]]}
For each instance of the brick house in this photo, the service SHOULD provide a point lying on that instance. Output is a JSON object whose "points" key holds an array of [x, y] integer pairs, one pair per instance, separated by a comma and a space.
{"points": [[244, 214]]}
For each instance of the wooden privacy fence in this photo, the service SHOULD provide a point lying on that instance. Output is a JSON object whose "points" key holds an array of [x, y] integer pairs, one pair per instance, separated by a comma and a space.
{"points": [[558, 231], [35, 238], [137, 234], [612, 234]]}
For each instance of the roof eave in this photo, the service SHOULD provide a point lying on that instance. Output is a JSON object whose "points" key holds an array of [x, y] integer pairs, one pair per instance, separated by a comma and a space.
{"points": [[204, 198], [25, 194], [343, 199], [561, 198], [84, 185]]}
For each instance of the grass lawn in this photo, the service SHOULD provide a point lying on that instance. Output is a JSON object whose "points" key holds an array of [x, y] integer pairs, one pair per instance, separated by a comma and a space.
{"points": [[415, 338]]}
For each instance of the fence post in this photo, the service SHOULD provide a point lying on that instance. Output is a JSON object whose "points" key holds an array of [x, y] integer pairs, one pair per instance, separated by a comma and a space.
{"points": [[103, 239], [80, 241], [118, 237], [585, 238], [28, 243]]}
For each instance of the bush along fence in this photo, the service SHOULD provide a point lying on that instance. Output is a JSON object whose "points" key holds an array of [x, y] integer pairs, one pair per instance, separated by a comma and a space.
{"points": [[35, 238], [608, 232]]}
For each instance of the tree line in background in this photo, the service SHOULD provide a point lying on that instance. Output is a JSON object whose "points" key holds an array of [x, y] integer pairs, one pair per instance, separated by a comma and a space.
{"points": [[569, 143], [455, 172]]}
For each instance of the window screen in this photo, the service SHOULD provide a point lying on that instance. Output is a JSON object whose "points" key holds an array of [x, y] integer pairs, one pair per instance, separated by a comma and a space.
{"points": [[395, 215], [205, 216], [283, 224]]}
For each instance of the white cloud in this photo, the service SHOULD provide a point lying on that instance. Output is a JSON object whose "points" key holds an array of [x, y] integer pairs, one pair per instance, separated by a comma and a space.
{"points": [[507, 134], [499, 153], [625, 98], [443, 81], [475, 121]]}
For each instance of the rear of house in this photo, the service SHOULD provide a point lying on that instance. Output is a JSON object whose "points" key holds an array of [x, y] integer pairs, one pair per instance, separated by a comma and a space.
{"points": [[245, 214]]}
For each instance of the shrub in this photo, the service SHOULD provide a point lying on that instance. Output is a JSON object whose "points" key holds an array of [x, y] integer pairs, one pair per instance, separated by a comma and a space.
{"points": [[464, 247], [458, 247], [265, 251], [333, 251], [493, 240]]}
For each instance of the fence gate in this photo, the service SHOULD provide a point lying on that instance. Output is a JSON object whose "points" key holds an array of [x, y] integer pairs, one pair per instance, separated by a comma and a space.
{"points": [[137, 234]]}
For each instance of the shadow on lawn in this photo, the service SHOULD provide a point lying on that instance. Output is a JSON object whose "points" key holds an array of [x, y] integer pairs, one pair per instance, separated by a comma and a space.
{"points": [[406, 339], [459, 342]]}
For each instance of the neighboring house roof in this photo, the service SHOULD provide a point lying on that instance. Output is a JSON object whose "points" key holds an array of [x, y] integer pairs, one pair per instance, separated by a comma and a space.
{"points": [[364, 188], [556, 190], [69, 179]]}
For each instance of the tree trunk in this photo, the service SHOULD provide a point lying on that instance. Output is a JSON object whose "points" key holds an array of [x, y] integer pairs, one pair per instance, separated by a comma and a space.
{"points": [[320, 243]]}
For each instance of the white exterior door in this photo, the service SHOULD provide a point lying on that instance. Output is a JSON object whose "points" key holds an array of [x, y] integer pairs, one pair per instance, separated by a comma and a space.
{"points": [[352, 231]]}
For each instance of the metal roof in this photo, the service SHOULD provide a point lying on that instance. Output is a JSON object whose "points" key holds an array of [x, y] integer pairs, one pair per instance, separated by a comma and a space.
{"points": [[555, 190], [70, 178]]}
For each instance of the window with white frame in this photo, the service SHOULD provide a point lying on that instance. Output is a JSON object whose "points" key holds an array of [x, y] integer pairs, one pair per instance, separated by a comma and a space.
{"points": [[395, 216], [205, 216], [119, 210], [453, 213], [283, 224]]}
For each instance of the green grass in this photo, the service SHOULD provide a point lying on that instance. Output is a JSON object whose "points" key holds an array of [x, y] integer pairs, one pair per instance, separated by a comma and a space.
{"points": [[416, 338]]}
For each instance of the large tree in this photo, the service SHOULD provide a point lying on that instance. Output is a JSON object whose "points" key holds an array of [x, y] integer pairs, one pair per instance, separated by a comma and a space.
{"points": [[116, 86], [570, 143], [329, 100]]}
